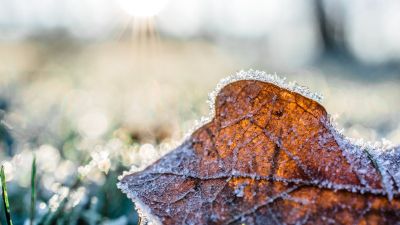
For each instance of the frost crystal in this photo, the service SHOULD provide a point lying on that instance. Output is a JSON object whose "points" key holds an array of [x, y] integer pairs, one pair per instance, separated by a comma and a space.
{"points": [[257, 76], [143, 210], [268, 154], [264, 77]]}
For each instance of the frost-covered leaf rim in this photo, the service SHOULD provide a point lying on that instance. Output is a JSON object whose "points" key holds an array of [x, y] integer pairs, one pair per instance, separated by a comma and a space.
{"points": [[375, 149]]}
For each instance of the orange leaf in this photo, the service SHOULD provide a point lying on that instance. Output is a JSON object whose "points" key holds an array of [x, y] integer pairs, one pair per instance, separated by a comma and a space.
{"points": [[269, 156]]}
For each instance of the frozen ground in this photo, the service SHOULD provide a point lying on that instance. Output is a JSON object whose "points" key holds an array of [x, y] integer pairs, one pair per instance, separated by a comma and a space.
{"points": [[115, 105]]}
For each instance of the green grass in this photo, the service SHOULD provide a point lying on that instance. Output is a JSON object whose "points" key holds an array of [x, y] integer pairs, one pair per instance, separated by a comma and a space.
{"points": [[33, 191], [5, 196]]}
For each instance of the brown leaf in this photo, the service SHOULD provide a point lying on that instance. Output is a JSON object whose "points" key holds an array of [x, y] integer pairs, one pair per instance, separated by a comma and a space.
{"points": [[269, 156]]}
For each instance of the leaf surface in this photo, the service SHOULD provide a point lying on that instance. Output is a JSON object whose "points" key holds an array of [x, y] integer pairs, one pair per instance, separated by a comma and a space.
{"points": [[269, 156]]}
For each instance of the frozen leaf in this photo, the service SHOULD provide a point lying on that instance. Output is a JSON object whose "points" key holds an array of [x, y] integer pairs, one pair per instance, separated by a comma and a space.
{"points": [[269, 156]]}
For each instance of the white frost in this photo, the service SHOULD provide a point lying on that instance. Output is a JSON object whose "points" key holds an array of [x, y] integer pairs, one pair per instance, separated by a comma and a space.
{"points": [[257, 76], [385, 156], [143, 210], [359, 154]]}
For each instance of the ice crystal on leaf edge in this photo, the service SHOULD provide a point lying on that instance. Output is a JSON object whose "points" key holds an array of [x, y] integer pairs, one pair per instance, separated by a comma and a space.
{"points": [[384, 154]]}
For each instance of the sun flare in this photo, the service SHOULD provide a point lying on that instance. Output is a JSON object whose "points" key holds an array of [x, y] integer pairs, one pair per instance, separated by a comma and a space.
{"points": [[142, 8]]}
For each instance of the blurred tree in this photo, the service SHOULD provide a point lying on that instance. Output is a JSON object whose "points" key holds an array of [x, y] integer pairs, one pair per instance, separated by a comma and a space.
{"points": [[331, 28]]}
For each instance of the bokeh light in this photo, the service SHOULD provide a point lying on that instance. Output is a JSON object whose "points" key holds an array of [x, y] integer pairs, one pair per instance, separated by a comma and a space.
{"points": [[93, 88]]}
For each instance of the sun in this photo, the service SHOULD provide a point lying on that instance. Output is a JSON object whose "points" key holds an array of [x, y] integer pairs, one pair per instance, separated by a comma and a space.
{"points": [[142, 8]]}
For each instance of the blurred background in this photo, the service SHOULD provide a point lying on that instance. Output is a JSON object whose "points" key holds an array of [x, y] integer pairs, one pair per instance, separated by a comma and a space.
{"points": [[95, 87]]}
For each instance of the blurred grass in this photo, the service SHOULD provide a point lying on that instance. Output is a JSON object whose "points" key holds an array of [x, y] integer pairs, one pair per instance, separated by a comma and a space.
{"points": [[99, 108], [33, 191], [5, 196]]}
